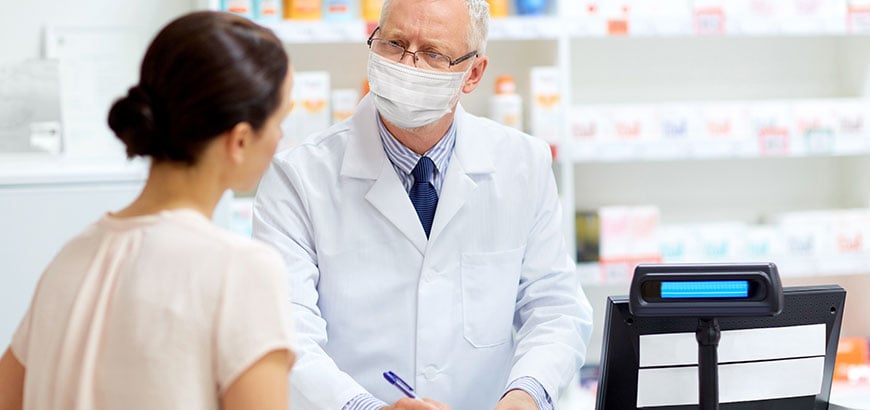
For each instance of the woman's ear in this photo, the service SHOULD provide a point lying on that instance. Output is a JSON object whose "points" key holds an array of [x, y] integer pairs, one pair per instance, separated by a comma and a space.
{"points": [[237, 141]]}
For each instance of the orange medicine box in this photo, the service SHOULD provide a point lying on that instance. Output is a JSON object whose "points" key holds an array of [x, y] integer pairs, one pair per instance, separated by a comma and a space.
{"points": [[303, 9], [851, 352]]}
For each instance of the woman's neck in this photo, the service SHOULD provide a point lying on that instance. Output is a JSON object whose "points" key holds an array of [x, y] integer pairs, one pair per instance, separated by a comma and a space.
{"points": [[174, 186]]}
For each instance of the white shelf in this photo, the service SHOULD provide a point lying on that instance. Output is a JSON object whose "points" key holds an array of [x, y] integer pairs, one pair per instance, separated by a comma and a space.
{"points": [[683, 26], [688, 149], [42, 170]]}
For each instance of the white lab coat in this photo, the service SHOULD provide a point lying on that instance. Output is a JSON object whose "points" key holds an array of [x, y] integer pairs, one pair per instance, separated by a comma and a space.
{"points": [[490, 297]]}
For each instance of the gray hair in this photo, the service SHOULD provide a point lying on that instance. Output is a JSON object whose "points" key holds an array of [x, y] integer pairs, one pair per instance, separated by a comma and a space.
{"points": [[478, 11]]}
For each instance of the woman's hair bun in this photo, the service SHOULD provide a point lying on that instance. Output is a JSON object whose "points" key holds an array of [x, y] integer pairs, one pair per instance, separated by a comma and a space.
{"points": [[132, 120], [203, 74]]}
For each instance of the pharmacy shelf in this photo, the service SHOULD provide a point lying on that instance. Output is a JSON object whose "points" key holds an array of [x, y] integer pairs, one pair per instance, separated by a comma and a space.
{"points": [[696, 149], [548, 27], [357, 31], [681, 26], [688, 57]]}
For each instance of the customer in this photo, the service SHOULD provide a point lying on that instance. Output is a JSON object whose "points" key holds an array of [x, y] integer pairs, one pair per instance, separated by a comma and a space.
{"points": [[154, 307], [424, 240]]}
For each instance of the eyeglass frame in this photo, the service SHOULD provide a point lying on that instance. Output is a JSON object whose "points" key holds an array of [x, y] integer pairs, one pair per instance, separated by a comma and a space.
{"points": [[405, 51]]}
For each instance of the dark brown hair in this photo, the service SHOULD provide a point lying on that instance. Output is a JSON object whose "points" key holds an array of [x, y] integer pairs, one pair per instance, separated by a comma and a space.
{"points": [[204, 73]]}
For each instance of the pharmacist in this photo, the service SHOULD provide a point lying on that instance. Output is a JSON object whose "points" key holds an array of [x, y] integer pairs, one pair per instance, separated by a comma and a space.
{"points": [[423, 240]]}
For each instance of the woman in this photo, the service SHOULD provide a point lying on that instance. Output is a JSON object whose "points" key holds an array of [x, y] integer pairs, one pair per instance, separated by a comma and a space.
{"points": [[154, 307]]}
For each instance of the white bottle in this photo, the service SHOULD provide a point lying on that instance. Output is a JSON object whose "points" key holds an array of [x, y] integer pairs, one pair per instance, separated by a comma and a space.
{"points": [[506, 106]]}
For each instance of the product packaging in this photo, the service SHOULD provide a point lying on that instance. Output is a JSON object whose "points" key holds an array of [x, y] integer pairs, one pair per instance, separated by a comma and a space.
{"points": [[807, 238], [531, 7], [616, 14], [629, 236], [771, 124], [303, 9], [724, 131], [371, 10], [852, 125], [243, 8], [506, 106], [344, 101], [849, 230], [268, 10], [587, 130], [547, 108], [634, 123], [815, 127], [310, 106], [721, 241], [498, 8], [340, 10], [761, 243], [678, 243]]}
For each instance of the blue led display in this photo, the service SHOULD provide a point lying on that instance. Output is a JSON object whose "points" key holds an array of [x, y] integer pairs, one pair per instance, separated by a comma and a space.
{"points": [[705, 289]]}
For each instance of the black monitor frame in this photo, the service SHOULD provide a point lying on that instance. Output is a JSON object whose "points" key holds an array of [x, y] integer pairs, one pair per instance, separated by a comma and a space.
{"points": [[617, 386]]}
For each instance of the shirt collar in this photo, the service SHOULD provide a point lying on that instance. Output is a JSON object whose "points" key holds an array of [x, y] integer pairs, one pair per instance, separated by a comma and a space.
{"points": [[403, 158]]}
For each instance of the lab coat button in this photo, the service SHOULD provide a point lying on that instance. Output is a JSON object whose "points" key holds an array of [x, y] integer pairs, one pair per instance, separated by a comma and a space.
{"points": [[430, 372]]}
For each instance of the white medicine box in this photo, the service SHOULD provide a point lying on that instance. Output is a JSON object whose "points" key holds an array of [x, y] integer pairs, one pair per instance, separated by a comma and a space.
{"points": [[546, 104]]}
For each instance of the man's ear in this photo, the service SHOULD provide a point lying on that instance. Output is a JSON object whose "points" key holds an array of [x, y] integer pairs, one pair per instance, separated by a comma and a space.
{"points": [[237, 140], [476, 74]]}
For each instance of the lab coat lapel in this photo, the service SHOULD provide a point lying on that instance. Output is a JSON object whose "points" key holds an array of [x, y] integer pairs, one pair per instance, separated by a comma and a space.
{"points": [[457, 188], [388, 196], [364, 158], [469, 158]]}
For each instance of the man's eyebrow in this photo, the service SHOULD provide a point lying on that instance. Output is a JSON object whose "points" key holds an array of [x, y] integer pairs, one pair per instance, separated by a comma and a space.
{"points": [[436, 44]]}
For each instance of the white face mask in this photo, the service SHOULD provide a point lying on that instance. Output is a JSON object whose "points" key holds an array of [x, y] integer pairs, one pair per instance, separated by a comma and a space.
{"points": [[410, 97]]}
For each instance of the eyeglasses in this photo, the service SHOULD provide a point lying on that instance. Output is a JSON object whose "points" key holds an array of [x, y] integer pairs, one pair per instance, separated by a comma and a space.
{"points": [[422, 59]]}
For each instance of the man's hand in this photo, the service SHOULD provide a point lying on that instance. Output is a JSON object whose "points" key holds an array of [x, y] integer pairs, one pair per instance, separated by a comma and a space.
{"points": [[411, 404], [516, 400]]}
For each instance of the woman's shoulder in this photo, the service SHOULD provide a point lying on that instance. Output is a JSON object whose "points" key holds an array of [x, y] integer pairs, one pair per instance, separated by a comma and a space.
{"points": [[224, 243], [184, 234]]}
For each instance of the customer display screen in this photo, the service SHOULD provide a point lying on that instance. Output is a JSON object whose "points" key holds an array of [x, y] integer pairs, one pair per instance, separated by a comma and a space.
{"points": [[705, 289], [671, 290]]}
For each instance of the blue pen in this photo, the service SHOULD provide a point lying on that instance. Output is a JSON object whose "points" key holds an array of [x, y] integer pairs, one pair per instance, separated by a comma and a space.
{"points": [[400, 384]]}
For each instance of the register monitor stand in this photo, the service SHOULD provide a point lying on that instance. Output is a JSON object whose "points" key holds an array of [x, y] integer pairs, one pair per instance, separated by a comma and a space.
{"points": [[708, 335], [706, 291]]}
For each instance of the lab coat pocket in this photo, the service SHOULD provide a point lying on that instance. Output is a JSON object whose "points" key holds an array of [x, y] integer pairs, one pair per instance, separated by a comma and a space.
{"points": [[489, 292]]}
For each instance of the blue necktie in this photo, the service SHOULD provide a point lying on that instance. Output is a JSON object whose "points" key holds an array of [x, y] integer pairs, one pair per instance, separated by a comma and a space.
{"points": [[423, 194]]}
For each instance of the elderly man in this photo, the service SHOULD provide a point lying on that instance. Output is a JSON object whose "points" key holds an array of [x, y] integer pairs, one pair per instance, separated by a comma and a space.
{"points": [[423, 240]]}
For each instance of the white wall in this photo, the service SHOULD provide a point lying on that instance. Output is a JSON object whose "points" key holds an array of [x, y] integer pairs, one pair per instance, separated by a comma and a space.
{"points": [[22, 21]]}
